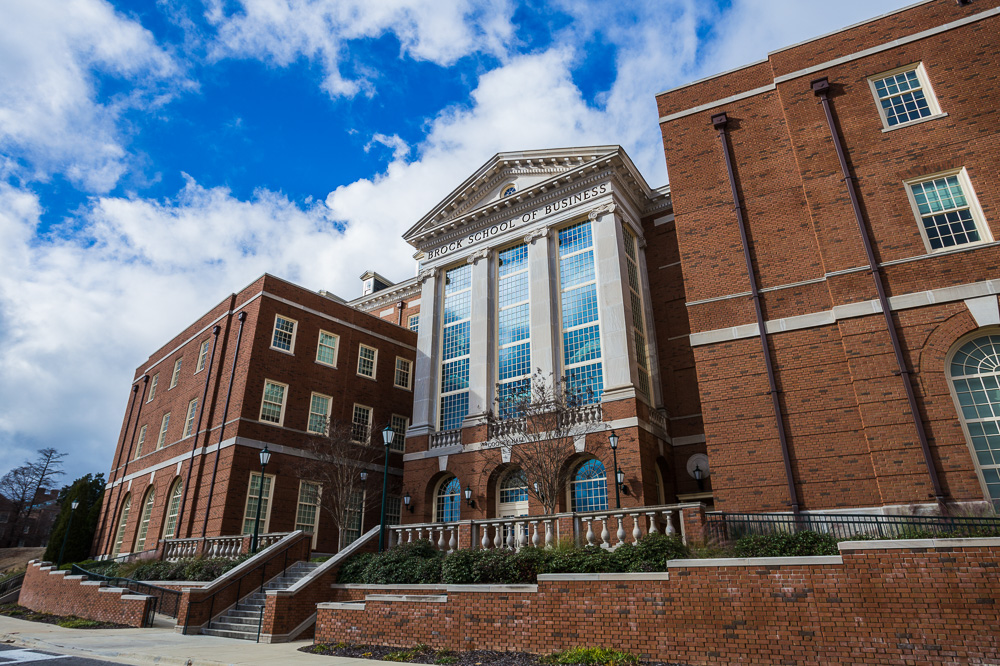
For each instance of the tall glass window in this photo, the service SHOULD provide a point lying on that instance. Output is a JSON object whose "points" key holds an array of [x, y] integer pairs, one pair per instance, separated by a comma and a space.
{"points": [[589, 488], [638, 320], [448, 503], [581, 332], [514, 334], [173, 509], [975, 373], [354, 516], [455, 347], [147, 513], [122, 522]]}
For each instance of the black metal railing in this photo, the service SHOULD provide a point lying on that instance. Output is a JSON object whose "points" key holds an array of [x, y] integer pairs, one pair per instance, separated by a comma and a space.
{"points": [[11, 584], [727, 527], [165, 600]]}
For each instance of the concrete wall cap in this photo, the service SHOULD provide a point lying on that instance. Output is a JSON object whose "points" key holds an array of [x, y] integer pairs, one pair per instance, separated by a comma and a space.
{"points": [[597, 577], [756, 562], [418, 598], [140, 597], [187, 583], [112, 589], [95, 583], [892, 544], [363, 586], [342, 605]]}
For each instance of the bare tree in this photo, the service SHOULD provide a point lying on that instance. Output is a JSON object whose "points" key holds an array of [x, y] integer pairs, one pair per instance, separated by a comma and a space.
{"points": [[337, 462], [536, 427], [21, 485]]}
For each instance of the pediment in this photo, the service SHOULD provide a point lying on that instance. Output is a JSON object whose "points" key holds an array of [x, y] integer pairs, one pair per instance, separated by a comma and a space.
{"points": [[488, 188]]}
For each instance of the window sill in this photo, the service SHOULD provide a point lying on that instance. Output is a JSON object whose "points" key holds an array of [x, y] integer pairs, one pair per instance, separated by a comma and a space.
{"points": [[325, 365], [365, 376], [270, 423], [405, 388], [914, 122], [283, 351]]}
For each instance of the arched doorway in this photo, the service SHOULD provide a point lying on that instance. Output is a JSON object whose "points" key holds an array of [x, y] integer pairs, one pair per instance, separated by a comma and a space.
{"points": [[974, 370]]}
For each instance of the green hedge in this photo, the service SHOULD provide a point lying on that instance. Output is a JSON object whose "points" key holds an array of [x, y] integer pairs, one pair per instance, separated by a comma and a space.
{"points": [[799, 544], [200, 569]]}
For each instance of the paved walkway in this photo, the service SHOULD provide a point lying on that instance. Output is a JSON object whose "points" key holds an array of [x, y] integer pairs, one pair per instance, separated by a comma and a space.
{"points": [[160, 645]]}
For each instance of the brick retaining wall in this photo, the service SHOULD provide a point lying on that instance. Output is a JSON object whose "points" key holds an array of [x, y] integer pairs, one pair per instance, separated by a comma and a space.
{"points": [[931, 601], [47, 590]]}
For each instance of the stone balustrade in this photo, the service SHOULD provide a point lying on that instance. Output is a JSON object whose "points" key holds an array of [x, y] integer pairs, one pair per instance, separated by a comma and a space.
{"points": [[447, 438], [226, 546], [180, 549]]}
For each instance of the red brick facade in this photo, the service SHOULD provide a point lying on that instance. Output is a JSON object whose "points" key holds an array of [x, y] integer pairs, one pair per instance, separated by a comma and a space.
{"points": [[224, 474], [905, 602], [851, 436], [47, 590]]}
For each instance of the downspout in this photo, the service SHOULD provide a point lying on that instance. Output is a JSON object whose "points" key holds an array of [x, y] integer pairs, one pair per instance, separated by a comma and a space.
{"points": [[128, 457], [118, 460], [222, 427], [197, 429], [400, 306], [821, 88], [719, 121]]}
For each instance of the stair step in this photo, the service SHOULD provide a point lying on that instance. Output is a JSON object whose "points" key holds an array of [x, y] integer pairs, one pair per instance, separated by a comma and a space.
{"points": [[250, 608], [222, 633], [234, 626], [243, 613]]}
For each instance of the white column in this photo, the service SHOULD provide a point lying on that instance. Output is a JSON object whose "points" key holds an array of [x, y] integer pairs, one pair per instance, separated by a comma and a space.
{"points": [[613, 303], [482, 341], [544, 325], [428, 365]]}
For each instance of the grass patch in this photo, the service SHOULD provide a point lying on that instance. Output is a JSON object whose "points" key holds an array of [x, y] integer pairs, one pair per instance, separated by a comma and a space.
{"points": [[592, 656], [73, 622]]}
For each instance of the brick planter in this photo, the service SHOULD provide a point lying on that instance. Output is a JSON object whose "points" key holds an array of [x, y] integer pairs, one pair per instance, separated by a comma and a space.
{"points": [[48, 590]]}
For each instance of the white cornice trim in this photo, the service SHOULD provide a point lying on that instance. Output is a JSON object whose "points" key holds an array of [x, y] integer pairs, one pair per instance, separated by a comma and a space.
{"points": [[337, 320]]}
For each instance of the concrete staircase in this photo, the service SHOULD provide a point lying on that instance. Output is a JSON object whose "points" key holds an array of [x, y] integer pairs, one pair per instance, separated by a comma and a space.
{"points": [[242, 620]]}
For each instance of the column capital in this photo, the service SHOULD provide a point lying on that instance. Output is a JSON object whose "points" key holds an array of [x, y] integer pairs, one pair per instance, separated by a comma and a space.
{"points": [[601, 210], [532, 236], [479, 254], [426, 274]]}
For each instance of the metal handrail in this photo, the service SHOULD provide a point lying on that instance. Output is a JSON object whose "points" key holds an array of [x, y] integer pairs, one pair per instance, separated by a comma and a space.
{"points": [[171, 598], [12, 583]]}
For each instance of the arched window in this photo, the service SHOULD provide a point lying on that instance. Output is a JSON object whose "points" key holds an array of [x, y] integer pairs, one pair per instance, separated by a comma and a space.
{"points": [[448, 503], [147, 513], [122, 522], [173, 507], [512, 495], [975, 376], [589, 487]]}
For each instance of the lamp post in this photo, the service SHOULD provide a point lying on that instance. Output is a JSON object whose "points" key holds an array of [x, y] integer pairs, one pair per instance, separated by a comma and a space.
{"points": [[69, 523], [265, 457], [613, 440], [387, 435]]}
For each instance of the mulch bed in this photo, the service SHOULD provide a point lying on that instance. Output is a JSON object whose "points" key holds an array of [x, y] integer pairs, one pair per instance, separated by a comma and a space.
{"points": [[22, 613], [431, 656]]}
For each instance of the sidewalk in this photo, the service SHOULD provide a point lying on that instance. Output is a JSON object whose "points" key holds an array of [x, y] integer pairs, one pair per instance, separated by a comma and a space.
{"points": [[160, 645]]}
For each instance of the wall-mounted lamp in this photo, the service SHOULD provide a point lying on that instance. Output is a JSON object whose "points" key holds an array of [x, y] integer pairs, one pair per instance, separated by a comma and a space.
{"points": [[699, 476], [468, 497], [406, 502], [364, 476], [620, 479]]}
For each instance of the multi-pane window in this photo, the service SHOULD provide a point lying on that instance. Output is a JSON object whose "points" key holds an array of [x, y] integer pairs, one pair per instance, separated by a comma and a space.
{"points": [[122, 523], [975, 375], [366, 360], [904, 96], [173, 510], [589, 487], [581, 333], [455, 347], [147, 513], [638, 318], [176, 374], [307, 514], [947, 209], [393, 510], [272, 406], [319, 413], [202, 357], [189, 420], [142, 440], [284, 334], [399, 424], [255, 495], [152, 387], [513, 325], [413, 323], [354, 514], [448, 503], [403, 373], [361, 424], [326, 349], [161, 441]]}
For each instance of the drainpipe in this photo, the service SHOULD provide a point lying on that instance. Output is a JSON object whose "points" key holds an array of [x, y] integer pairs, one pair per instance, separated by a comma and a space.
{"points": [[821, 88], [197, 429], [128, 456], [118, 460], [400, 306], [719, 121], [222, 427]]}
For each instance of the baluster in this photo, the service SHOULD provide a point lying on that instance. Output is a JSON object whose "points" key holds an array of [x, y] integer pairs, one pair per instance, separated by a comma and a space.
{"points": [[653, 529], [605, 534], [486, 536], [510, 534], [670, 521], [498, 538], [442, 544], [453, 541], [636, 532], [591, 540], [548, 534], [620, 533], [535, 539], [522, 538]]}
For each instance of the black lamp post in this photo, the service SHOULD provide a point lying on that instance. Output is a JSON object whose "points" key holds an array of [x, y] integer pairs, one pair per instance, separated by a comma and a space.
{"points": [[387, 435], [620, 480], [69, 523], [265, 457], [613, 440]]}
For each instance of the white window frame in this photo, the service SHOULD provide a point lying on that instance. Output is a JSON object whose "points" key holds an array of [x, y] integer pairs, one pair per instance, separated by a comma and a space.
{"points": [[295, 332], [175, 375], [265, 517], [371, 414], [925, 86], [409, 374], [144, 518], [202, 356], [152, 387], [284, 402], [142, 441], [973, 203], [336, 348], [413, 323], [361, 346], [170, 531], [326, 415], [299, 504], [161, 439], [192, 412], [399, 439]]}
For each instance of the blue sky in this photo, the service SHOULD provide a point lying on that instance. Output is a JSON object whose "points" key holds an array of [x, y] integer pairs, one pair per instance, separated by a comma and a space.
{"points": [[157, 155]]}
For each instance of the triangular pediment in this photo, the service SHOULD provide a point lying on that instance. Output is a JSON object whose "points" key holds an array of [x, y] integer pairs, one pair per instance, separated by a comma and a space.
{"points": [[504, 180]]}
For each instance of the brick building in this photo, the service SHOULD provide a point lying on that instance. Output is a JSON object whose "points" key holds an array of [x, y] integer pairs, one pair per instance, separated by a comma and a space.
{"points": [[32, 530], [855, 174], [268, 366]]}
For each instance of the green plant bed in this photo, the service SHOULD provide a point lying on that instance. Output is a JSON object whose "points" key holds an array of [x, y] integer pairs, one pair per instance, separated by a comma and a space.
{"points": [[423, 654], [68, 621], [198, 569]]}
